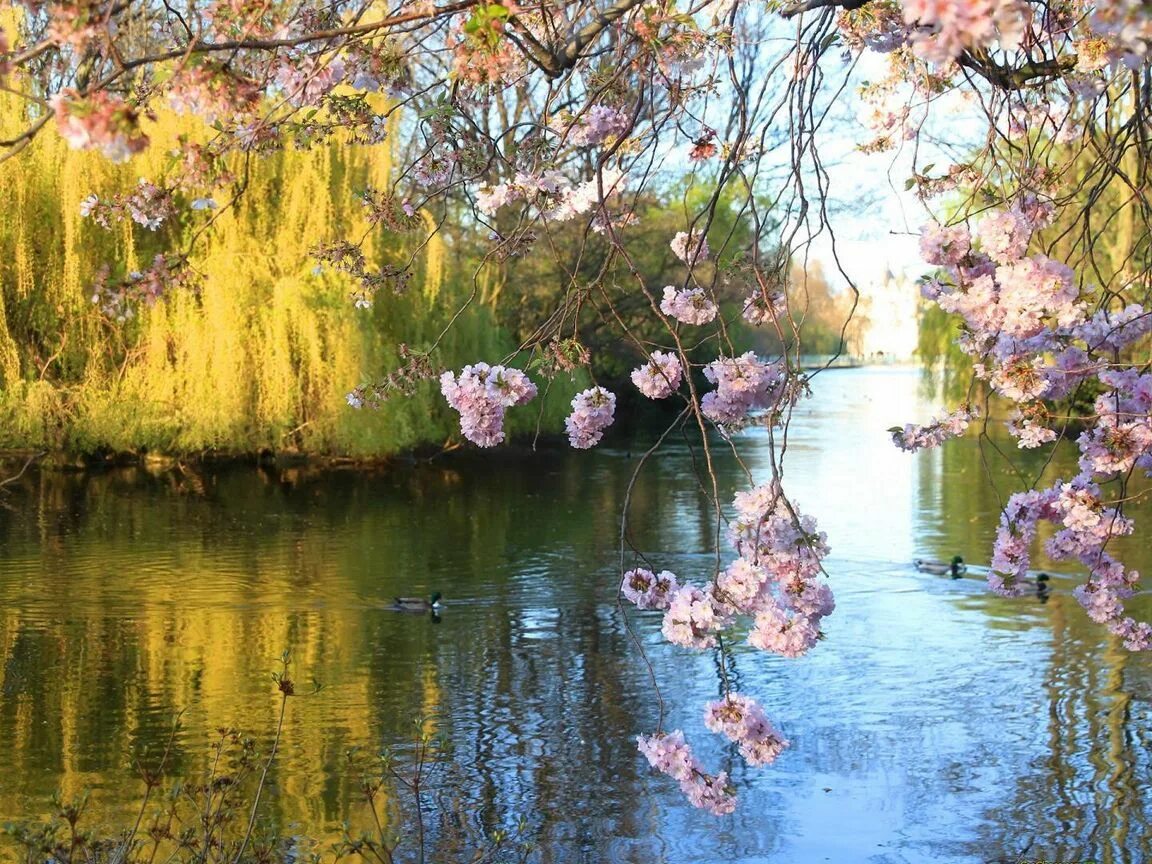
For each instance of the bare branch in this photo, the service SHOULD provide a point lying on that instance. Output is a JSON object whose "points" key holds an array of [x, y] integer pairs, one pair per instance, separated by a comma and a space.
{"points": [[811, 5]]}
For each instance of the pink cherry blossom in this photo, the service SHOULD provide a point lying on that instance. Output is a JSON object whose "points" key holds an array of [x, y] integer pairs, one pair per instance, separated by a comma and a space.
{"points": [[912, 437], [659, 377], [782, 632], [592, 413], [693, 619], [481, 394], [941, 245], [670, 754], [649, 590], [743, 384], [100, 121], [690, 305], [690, 248], [742, 720]]}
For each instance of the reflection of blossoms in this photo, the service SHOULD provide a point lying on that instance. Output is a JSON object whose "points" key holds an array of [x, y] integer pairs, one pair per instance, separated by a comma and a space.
{"points": [[592, 413]]}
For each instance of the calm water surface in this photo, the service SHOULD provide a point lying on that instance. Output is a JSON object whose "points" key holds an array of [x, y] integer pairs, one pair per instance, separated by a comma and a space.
{"points": [[936, 723]]}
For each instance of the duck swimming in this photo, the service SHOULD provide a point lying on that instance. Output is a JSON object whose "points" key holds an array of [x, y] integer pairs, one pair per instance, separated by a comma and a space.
{"points": [[417, 604], [954, 568], [1038, 585]]}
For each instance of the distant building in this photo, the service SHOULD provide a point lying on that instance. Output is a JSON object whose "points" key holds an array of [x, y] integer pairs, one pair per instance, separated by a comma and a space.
{"points": [[888, 324]]}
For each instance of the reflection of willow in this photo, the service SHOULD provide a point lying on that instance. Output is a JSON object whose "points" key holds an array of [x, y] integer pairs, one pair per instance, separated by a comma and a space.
{"points": [[127, 597], [1092, 784], [130, 607]]}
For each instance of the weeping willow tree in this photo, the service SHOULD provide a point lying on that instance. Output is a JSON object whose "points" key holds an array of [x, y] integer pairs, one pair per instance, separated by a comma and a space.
{"points": [[260, 353]]}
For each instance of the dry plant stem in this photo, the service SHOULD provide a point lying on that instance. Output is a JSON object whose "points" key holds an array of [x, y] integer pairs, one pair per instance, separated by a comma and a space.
{"points": [[27, 463], [263, 777], [151, 781]]}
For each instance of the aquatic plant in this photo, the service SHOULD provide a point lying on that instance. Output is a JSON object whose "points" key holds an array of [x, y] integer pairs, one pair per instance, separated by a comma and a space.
{"points": [[410, 810]]}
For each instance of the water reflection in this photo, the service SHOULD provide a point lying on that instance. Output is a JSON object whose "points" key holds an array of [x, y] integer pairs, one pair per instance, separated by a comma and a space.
{"points": [[935, 723]]}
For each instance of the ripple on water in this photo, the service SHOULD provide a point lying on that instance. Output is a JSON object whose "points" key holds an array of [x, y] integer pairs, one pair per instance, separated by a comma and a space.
{"points": [[934, 723]]}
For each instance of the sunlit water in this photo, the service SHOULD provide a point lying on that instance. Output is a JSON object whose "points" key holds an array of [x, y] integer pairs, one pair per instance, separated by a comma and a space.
{"points": [[935, 723]]}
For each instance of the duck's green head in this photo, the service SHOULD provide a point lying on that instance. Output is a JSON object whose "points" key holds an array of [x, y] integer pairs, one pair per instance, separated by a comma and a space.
{"points": [[1041, 578], [436, 598], [956, 559]]}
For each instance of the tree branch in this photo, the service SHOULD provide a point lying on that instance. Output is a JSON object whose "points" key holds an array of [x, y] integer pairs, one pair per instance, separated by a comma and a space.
{"points": [[809, 5], [1016, 78], [584, 37]]}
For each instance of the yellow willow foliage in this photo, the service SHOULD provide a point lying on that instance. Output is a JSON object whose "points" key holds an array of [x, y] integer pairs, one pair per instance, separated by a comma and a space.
{"points": [[434, 257], [261, 356]]}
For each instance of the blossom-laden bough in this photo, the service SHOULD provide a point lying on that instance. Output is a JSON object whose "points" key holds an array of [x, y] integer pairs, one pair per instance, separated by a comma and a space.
{"points": [[558, 130]]}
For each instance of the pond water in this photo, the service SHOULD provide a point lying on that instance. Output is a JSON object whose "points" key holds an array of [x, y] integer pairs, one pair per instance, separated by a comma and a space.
{"points": [[936, 722]]}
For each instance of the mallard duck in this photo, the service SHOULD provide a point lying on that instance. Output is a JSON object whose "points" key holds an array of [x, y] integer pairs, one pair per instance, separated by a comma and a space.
{"points": [[417, 604], [1039, 584], [955, 568]]}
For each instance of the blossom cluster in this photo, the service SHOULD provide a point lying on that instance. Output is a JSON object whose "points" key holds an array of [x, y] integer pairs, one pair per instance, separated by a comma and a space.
{"points": [[764, 307], [742, 721], [100, 121], [670, 754], [551, 193], [690, 247], [213, 92], [120, 299], [592, 126], [775, 582], [592, 412], [1028, 325], [743, 384], [660, 376], [148, 205], [481, 394], [911, 437], [1085, 524], [649, 590], [689, 305], [941, 30]]}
